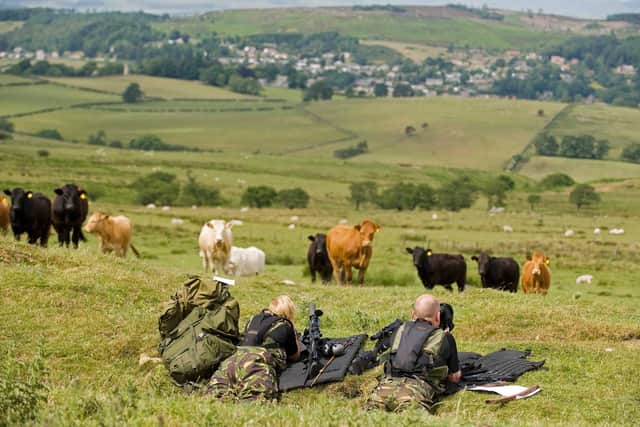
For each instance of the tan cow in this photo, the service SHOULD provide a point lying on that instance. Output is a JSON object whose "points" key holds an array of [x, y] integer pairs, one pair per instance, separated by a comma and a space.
{"points": [[351, 246], [114, 233], [4, 215], [536, 275]]}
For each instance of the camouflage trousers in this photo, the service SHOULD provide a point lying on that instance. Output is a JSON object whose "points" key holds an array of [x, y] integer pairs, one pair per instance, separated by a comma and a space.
{"points": [[398, 394], [248, 374]]}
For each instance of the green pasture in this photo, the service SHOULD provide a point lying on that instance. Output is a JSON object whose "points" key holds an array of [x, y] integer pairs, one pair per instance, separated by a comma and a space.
{"points": [[31, 98], [618, 125], [406, 28], [416, 52], [159, 87], [11, 79], [246, 132], [460, 132], [204, 105], [8, 26], [579, 169]]}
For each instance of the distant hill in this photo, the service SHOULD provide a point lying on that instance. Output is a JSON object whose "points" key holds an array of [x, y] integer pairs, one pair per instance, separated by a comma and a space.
{"points": [[582, 9]]}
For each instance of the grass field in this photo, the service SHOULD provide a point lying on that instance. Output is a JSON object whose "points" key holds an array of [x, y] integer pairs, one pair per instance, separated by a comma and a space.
{"points": [[10, 79], [7, 26], [416, 52], [412, 27], [24, 99], [580, 169], [151, 86], [461, 132], [618, 125]]}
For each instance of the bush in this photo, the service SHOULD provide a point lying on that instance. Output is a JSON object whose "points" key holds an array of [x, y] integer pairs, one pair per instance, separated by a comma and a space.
{"points": [[363, 192], [43, 153], [319, 90], [50, 134], [456, 195], [154, 143], [556, 180], [158, 187], [248, 86], [259, 197], [22, 389], [194, 193], [99, 138], [533, 200], [345, 153], [6, 125], [293, 198], [546, 145], [631, 153]]}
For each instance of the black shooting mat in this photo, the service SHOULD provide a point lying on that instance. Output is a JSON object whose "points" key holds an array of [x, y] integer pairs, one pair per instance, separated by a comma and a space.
{"points": [[501, 365], [295, 376]]}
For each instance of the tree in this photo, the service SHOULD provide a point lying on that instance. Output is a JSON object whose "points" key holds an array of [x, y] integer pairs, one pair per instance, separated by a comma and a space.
{"points": [[319, 90], [259, 197], [533, 200], [293, 198], [99, 138], [194, 193], [132, 94], [380, 90], [457, 194], [546, 145], [363, 192], [407, 196], [556, 180], [631, 153], [402, 89], [247, 86], [496, 190], [50, 134], [584, 195], [409, 130]]}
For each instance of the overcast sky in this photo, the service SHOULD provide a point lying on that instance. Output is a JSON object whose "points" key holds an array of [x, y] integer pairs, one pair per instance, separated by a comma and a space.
{"points": [[581, 8]]}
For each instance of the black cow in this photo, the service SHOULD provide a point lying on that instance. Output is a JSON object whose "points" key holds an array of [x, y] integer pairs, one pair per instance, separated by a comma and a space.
{"points": [[498, 273], [318, 258], [30, 213], [70, 208], [439, 269]]}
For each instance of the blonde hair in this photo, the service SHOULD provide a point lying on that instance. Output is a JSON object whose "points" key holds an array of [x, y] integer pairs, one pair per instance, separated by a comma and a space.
{"points": [[283, 306]]}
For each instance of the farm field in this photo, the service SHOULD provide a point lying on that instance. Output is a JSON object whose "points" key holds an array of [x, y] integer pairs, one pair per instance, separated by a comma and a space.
{"points": [[415, 52], [460, 132], [581, 170], [25, 99], [618, 125], [151, 86], [11, 79]]}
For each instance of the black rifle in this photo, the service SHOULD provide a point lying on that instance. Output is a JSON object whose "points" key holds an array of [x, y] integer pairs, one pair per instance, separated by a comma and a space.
{"points": [[312, 339], [369, 359]]}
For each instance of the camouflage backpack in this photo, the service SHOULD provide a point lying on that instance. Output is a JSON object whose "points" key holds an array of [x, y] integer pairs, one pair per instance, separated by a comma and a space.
{"points": [[198, 329]]}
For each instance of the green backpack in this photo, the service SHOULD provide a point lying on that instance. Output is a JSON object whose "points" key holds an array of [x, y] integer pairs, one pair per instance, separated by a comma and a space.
{"points": [[198, 329]]}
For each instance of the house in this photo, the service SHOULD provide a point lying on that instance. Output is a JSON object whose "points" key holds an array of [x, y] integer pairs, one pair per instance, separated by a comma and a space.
{"points": [[627, 70], [557, 60]]}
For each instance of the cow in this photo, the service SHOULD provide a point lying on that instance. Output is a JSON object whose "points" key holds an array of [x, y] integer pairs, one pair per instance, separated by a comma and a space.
{"points": [[245, 261], [351, 246], [30, 213], [4, 215], [318, 258], [498, 273], [439, 269], [536, 275], [215, 243], [70, 208], [114, 233]]}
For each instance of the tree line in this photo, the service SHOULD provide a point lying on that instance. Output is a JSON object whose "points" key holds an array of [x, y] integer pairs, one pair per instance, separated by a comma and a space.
{"points": [[582, 147]]}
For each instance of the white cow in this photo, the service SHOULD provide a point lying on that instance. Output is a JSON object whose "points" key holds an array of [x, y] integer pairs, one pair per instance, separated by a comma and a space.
{"points": [[585, 278], [245, 261], [215, 243]]}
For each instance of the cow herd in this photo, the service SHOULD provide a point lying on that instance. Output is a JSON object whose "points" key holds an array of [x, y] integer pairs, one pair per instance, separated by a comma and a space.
{"points": [[335, 253], [346, 246]]}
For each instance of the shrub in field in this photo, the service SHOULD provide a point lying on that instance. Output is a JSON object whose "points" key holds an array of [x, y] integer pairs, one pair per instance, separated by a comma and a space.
{"points": [[158, 187], [154, 143], [293, 198], [6, 125], [261, 196], [318, 91], [43, 153], [22, 389], [50, 134], [631, 153], [407, 196], [99, 138], [352, 151], [132, 93], [194, 193], [533, 200], [556, 180], [583, 195], [456, 195]]}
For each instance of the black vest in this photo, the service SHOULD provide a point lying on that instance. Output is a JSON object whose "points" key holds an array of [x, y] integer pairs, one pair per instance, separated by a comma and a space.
{"points": [[409, 359], [258, 327]]}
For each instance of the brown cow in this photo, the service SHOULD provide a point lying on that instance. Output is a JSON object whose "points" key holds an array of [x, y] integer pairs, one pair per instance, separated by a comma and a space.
{"points": [[351, 247], [4, 215], [536, 275], [114, 233]]}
